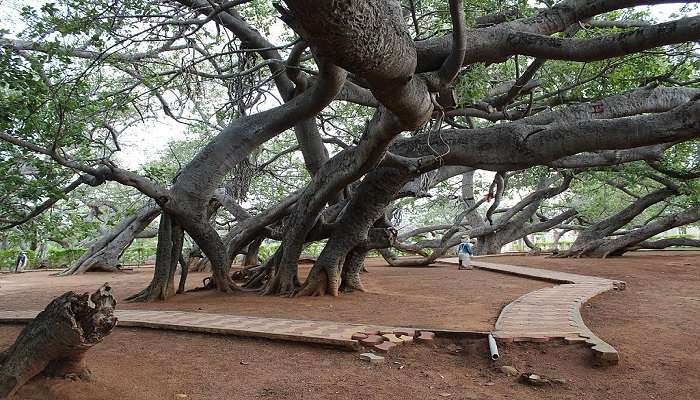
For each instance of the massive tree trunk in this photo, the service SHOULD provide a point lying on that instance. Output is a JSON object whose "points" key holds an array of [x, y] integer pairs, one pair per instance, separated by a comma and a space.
{"points": [[55, 342], [340, 171], [104, 253], [369, 39], [351, 229], [490, 244]]}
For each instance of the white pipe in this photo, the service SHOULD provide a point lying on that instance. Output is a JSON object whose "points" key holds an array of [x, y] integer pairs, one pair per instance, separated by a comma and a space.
{"points": [[493, 349]]}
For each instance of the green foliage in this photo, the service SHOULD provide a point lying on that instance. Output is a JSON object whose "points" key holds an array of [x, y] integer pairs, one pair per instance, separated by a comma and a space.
{"points": [[138, 254], [266, 250], [60, 257], [595, 198], [54, 258], [8, 257]]}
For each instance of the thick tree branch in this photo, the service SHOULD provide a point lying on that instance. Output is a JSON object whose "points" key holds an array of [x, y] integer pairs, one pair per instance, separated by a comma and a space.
{"points": [[612, 157], [46, 204], [530, 44], [515, 146], [491, 44]]}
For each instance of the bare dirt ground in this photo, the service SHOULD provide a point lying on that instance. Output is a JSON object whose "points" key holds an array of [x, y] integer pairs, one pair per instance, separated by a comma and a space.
{"points": [[440, 297], [655, 325]]}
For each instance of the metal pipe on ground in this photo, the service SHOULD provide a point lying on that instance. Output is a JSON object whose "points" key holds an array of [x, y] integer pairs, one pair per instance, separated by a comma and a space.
{"points": [[493, 349]]}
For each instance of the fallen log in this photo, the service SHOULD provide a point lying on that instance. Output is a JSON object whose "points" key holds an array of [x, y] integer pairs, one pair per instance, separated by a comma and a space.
{"points": [[54, 343]]}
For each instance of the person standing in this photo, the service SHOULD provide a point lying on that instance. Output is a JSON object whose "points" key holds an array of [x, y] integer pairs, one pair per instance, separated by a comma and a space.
{"points": [[465, 253], [21, 262]]}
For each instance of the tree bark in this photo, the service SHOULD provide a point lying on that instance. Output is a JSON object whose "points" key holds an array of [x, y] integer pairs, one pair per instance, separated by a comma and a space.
{"points": [[366, 206], [251, 256], [55, 342], [470, 214], [558, 233], [606, 227], [170, 238], [184, 271], [665, 243], [533, 247], [489, 244], [514, 223], [617, 246], [352, 267]]}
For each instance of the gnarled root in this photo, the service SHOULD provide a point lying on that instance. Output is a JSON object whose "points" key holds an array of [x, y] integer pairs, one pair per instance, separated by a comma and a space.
{"points": [[281, 282], [273, 278], [207, 284], [324, 278], [55, 342], [316, 285], [257, 277], [154, 291]]}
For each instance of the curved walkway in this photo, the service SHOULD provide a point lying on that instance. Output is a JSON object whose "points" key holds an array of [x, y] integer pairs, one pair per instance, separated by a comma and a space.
{"points": [[551, 313], [537, 316]]}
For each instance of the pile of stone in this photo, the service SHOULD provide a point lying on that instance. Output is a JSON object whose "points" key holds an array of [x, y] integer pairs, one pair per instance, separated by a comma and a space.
{"points": [[383, 341]]}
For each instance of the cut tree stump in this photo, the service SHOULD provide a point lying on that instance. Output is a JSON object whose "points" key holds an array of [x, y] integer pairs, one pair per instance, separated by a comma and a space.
{"points": [[54, 343]]}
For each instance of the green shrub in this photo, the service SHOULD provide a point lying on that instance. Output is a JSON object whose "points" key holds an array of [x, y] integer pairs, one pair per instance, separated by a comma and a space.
{"points": [[266, 250]]}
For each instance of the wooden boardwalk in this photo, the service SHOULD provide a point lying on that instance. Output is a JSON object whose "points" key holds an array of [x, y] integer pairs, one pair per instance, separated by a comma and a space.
{"points": [[323, 332], [551, 313]]}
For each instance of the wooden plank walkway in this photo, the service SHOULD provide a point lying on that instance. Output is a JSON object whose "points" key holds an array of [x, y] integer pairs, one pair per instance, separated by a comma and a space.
{"points": [[551, 313], [322, 332]]}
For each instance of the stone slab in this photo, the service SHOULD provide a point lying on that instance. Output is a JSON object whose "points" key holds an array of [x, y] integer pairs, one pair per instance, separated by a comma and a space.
{"points": [[372, 358]]}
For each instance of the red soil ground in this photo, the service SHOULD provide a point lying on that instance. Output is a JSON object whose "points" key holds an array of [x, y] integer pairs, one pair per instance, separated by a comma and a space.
{"points": [[423, 297], [654, 324]]}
